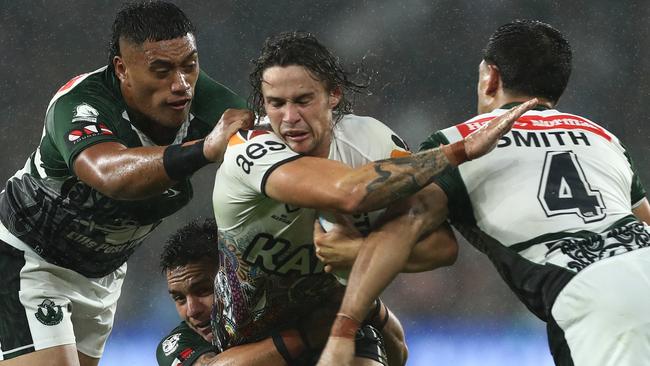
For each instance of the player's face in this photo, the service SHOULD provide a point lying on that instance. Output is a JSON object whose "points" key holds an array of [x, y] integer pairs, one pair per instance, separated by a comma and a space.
{"points": [[300, 108], [191, 287], [158, 78]]}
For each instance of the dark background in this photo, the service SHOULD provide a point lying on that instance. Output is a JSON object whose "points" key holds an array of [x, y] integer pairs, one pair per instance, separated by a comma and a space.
{"points": [[423, 58]]}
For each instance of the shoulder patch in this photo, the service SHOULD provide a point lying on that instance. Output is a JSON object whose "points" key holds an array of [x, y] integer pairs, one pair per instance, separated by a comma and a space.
{"points": [[84, 112], [170, 344]]}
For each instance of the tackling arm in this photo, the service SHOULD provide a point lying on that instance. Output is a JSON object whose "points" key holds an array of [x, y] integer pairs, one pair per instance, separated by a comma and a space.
{"points": [[137, 173], [329, 185], [382, 255]]}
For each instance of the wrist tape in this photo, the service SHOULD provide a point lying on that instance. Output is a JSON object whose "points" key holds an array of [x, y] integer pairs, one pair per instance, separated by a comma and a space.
{"points": [[345, 326], [455, 153], [182, 161]]}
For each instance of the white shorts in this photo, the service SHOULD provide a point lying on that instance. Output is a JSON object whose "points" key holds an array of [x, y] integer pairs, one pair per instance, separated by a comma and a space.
{"points": [[604, 314], [43, 305]]}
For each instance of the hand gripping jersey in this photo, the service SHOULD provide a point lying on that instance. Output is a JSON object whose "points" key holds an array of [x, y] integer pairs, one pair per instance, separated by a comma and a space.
{"points": [[269, 274], [181, 347], [546, 202], [67, 222]]}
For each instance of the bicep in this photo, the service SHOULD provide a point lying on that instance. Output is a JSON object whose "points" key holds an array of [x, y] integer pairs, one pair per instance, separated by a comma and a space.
{"points": [[89, 163], [309, 182]]}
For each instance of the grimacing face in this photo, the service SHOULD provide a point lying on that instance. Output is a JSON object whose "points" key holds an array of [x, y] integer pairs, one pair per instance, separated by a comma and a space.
{"points": [[192, 288], [299, 108], [158, 78]]}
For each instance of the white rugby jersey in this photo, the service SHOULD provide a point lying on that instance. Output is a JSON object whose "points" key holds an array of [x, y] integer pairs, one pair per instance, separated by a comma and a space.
{"points": [[540, 199], [269, 272]]}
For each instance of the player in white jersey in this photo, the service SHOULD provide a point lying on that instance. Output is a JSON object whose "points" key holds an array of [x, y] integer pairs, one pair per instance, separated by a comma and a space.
{"points": [[271, 184], [557, 207]]}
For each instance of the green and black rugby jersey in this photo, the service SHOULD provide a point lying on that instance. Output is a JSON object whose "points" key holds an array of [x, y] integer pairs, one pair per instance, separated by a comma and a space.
{"points": [[181, 347], [66, 221], [538, 204]]}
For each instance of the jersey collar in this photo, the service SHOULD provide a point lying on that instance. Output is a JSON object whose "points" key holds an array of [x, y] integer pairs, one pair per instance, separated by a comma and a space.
{"points": [[538, 107]]}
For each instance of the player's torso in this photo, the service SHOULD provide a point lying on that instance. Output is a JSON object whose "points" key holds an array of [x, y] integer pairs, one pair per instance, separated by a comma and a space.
{"points": [[63, 219], [553, 174], [270, 271]]}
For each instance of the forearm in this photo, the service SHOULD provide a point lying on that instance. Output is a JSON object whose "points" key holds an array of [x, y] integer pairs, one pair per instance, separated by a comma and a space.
{"points": [[438, 249], [387, 249], [136, 173], [383, 182]]}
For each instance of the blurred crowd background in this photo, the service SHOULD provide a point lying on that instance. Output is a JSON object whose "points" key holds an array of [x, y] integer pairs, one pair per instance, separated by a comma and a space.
{"points": [[422, 57]]}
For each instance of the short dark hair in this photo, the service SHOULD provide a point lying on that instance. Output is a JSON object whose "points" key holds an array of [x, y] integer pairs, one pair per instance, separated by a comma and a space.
{"points": [[148, 21], [533, 58], [193, 242], [302, 49]]}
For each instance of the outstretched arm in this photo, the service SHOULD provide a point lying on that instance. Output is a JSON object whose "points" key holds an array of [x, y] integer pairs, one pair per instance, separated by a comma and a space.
{"points": [[382, 255], [330, 185], [137, 173]]}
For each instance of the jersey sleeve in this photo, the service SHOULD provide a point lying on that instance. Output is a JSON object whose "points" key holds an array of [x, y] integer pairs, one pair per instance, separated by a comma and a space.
{"points": [[74, 123], [637, 191], [182, 346], [451, 183], [253, 155]]}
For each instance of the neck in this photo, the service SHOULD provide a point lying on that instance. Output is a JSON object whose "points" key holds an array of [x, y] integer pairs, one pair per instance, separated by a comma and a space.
{"points": [[159, 134]]}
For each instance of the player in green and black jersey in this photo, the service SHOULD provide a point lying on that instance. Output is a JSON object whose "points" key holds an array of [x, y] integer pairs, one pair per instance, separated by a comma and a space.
{"points": [[118, 148], [557, 207]]}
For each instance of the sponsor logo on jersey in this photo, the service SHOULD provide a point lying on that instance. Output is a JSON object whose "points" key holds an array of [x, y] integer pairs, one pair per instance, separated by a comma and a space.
{"points": [[255, 151], [49, 313], [279, 256], [85, 113], [540, 123], [91, 130], [170, 344]]}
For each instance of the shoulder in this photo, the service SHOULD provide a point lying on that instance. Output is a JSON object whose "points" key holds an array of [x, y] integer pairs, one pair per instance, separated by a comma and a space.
{"points": [[352, 125], [369, 137], [87, 96], [180, 345], [255, 150]]}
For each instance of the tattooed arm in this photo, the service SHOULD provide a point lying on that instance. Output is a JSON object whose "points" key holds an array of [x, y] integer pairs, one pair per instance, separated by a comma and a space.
{"points": [[330, 185]]}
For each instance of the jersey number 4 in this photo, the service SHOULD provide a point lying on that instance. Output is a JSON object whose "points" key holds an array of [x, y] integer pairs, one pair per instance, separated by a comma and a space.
{"points": [[564, 189]]}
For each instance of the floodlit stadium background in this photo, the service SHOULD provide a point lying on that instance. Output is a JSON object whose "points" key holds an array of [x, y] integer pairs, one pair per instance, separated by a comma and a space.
{"points": [[424, 55]]}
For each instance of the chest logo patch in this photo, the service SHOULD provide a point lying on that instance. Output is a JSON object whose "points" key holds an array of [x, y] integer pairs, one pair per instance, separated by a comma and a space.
{"points": [[49, 313]]}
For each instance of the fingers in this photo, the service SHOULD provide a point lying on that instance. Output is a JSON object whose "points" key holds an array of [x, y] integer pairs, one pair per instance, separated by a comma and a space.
{"points": [[510, 117], [236, 119]]}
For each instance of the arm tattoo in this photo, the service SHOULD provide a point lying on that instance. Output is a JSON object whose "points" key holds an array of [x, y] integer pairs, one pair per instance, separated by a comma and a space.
{"points": [[401, 177]]}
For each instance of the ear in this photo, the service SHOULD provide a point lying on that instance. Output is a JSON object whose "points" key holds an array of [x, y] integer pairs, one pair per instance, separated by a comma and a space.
{"points": [[493, 80], [120, 68], [335, 97]]}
